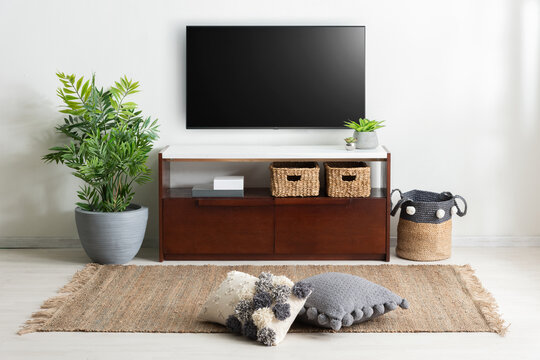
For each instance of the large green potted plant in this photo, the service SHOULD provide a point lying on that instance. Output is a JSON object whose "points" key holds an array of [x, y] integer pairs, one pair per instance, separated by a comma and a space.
{"points": [[109, 143], [364, 132]]}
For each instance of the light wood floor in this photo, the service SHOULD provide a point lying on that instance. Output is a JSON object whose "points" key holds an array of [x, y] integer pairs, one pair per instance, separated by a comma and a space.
{"points": [[27, 277]]}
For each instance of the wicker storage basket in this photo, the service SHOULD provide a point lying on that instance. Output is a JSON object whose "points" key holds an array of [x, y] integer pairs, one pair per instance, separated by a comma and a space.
{"points": [[348, 179], [425, 224], [294, 179]]}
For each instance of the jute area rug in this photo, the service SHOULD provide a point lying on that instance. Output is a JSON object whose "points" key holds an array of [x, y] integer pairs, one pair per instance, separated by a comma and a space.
{"points": [[115, 298]]}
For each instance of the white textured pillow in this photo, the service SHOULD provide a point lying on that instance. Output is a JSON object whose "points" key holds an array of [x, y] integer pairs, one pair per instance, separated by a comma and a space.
{"points": [[221, 303], [261, 309]]}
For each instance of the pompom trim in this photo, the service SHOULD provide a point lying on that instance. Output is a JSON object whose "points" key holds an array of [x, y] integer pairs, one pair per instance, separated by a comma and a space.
{"points": [[366, 313]]}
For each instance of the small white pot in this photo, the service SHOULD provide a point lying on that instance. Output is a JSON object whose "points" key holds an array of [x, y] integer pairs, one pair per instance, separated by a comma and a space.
{"points": [[366, 140], [350, 147]]}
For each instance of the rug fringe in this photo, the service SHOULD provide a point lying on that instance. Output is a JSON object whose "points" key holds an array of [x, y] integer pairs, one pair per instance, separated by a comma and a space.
{"points": [[52, 305], [484, 301]]}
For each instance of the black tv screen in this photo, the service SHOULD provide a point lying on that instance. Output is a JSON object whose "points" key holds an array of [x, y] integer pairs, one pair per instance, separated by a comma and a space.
{"points": [[274, 76]]}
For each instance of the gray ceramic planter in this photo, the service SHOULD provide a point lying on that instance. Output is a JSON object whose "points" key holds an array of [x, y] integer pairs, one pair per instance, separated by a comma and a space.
{"points": [[112, 238], [366, 140]]}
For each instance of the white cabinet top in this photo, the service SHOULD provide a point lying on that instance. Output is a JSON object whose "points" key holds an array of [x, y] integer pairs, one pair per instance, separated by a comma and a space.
{"points": [[270, 152]]}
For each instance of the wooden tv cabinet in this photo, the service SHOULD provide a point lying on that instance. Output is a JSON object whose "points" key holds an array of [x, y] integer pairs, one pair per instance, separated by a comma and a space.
{"points": [[261, 227]]}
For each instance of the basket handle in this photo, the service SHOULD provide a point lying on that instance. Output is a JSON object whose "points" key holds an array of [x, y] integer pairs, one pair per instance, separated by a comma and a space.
{"points": [[294, 177], [348, 177], [459, 211], [401, 201]]}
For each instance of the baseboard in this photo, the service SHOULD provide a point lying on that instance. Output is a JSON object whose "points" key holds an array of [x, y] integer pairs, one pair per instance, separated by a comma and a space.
{"points": [[48, 242], [489, 241], [38, 242], [57, 242]]}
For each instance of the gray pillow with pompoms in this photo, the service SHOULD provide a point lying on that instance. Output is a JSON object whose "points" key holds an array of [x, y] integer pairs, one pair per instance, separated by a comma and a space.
{"points": [[342, 300]]}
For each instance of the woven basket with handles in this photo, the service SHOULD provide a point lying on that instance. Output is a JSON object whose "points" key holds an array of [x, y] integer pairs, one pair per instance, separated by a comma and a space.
{"points": [[294, 179], [348, 179], [425, 224]]}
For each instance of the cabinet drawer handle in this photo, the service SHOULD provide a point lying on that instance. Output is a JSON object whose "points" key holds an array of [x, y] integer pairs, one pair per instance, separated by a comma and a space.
{"points": [[234, 202], [312, 202]]}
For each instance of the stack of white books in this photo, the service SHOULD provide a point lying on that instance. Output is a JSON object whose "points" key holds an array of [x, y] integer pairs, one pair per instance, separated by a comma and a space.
{"points": [[223, 186]]}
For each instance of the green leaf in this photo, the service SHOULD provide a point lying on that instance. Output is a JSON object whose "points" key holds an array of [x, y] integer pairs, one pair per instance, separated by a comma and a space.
{"points": [[129, 105], [85, 88], [79, 83], [364, 125]]}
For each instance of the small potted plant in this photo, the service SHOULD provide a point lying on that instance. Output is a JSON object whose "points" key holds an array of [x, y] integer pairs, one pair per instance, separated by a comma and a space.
{"points": [[109, 143], [364, 132], [349, 143]]}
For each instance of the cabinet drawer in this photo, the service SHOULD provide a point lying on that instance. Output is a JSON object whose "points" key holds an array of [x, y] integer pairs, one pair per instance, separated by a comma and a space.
{"points": [[354, 226], [218, 226]]}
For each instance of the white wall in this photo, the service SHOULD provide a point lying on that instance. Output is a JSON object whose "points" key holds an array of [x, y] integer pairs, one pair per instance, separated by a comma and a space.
{"points": [[457, 82]]}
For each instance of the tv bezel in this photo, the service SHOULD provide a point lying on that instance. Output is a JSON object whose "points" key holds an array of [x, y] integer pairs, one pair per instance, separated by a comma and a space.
{"points": [[268, 127]]}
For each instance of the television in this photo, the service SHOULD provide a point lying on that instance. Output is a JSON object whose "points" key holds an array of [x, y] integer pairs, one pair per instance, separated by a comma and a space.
{"points": [[274, 76]]}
